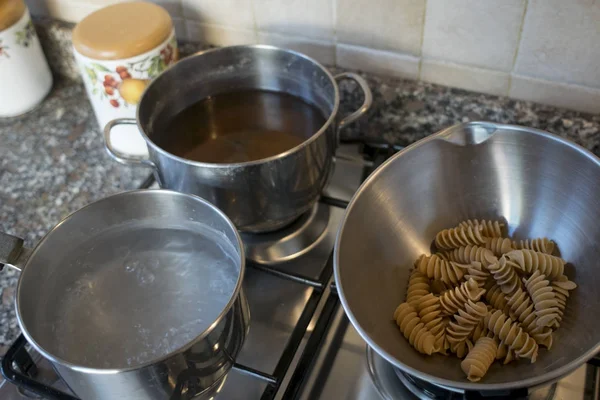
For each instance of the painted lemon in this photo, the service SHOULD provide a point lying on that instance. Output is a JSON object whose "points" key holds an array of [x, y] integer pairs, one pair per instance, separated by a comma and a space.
{"points": [[131, 89]]}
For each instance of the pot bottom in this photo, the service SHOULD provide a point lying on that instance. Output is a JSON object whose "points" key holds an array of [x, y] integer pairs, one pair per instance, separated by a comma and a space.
{"points": [[289, 242]]}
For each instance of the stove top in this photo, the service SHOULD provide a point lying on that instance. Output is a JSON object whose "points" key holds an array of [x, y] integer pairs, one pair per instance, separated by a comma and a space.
{"points": [[300, 344]]}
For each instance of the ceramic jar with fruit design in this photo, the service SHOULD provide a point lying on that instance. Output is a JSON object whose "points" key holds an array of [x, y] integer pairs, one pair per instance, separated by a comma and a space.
{"points": [[118, 58], [25, 76]]}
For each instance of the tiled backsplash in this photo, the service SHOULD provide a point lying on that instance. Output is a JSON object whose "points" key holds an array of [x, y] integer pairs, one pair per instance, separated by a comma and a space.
{"points": [[541, 50]]}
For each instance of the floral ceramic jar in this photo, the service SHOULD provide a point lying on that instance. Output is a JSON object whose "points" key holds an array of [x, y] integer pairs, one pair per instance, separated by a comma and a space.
{"points": [[26, 77], [119, 49]]}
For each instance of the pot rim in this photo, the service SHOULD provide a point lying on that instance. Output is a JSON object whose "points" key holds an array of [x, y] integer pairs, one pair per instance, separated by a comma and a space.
{"points": [[235, 296], [450, 134], [305, 143]]}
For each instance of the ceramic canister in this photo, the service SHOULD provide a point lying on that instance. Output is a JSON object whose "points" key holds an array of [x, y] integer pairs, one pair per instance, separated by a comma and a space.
{"points": [[119, 49], [25, 78]]}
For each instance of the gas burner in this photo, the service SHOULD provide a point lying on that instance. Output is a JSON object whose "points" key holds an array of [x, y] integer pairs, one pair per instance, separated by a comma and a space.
{"points": [[290, 242], [392, 383], [425, 390], [384, 378]]}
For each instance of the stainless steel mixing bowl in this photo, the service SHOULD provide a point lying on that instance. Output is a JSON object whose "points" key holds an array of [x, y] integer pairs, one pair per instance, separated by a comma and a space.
{"points": [[541, 184]]}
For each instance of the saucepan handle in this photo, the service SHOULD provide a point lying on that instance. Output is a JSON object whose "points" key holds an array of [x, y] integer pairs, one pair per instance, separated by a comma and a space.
{"points": [[367, 102], [127, 158], [362, 110], [12, 252], [116, 154]]}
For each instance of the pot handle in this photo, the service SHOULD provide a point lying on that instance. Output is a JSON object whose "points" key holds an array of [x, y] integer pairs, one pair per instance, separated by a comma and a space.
{"points": [[12, 252], [24, 370], [366, 105], [117, 155]]}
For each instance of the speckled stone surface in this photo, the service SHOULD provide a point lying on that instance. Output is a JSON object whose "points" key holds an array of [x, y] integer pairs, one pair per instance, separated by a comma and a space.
{"points": [[55, 37], [52, 160]]}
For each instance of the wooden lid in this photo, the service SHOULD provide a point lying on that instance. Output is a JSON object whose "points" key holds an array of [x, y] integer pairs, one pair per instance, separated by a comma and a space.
{"points": [[122, 30], [10, 12]]}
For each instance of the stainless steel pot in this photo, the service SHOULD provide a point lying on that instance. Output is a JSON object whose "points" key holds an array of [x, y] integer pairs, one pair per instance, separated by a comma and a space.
{"points": [[261, 195], [544, 186], [125, 264]]}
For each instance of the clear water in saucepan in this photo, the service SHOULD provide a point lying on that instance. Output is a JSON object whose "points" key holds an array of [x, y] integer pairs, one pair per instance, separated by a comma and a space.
{"points": [[144, 290]]}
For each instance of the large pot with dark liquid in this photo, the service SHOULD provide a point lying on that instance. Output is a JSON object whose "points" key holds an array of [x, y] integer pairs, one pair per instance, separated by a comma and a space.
{"points": [[252, 129]]}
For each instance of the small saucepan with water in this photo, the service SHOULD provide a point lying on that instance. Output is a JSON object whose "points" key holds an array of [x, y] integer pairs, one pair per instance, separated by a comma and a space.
{"points": [[136, 296], [252, 129]]}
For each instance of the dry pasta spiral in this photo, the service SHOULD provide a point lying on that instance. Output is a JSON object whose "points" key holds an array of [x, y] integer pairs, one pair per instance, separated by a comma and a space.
{"points": [[459, 329], [478, 273], [435, 267], [437, 286], [505, 353], [479, 359], [495, 298], [418, 286], [481, 330], [488, 228], [498, 245], [512, 334], [542, 336], [529, 261], [430, 311], [457, 237], [505, 276], [542, 245], [413, 329], [522, 309], [455, 299], [544, 302], [470, 253], [561, 288]]}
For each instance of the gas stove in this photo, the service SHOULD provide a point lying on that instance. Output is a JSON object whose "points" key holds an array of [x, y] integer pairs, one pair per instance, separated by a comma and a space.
{"points": [[300, 344]]}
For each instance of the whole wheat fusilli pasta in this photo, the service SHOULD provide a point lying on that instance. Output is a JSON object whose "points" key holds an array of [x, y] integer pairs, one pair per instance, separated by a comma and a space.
{"points": [[457, 237], [542, 245], [529, 261], [479, 359], [484, 297], [414, 329], [488, 228]]}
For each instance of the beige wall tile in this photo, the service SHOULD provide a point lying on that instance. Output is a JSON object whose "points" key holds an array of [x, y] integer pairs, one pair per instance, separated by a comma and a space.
{"points": [[306, 18], [66, 10], [172, 6], [386, 24], [218, 35], [322, 51], [235, 13], [557, 94], [465, 77], [481, 33], [377, 61], [180, 28], [561, 41], [75, 10], [37, 7]]}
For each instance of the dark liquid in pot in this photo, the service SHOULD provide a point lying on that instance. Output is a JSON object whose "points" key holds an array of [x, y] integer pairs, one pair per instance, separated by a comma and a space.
{"points": [[240, 126]]}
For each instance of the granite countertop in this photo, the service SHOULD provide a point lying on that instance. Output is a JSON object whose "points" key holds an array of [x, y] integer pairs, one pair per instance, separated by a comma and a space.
{"points": [[52, 160]]}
